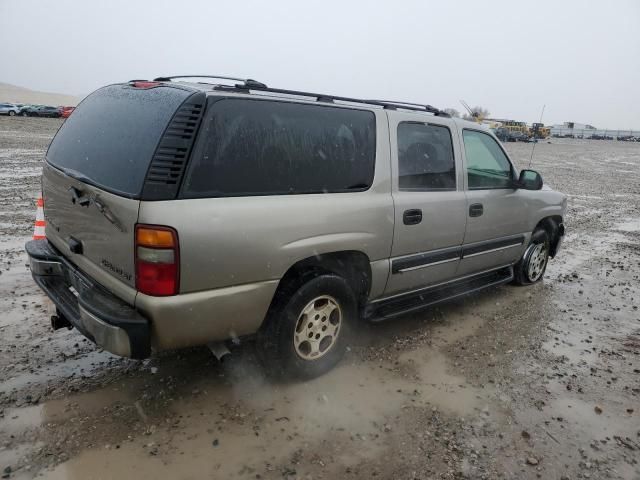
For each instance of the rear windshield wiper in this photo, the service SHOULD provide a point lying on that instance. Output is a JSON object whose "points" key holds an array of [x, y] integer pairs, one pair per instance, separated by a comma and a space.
{"points": [[76, 174]]}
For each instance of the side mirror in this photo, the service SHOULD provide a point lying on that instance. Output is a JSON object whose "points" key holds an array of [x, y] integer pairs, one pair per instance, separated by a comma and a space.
{"points": [[529, 180]]}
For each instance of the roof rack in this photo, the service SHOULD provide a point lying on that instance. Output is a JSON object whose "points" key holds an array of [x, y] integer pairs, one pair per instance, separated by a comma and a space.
{"points": [[245, 81], [412, 106], [250, 84]]}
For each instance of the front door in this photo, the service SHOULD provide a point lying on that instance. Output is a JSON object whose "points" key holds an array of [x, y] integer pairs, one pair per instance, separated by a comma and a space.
{"points": [[497, 223], [429, 202]]}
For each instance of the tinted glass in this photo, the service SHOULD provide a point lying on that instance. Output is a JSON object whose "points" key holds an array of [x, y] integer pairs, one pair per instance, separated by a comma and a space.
{"points": [[254, 147], [425, 157], [112, 135], [487, 165]]}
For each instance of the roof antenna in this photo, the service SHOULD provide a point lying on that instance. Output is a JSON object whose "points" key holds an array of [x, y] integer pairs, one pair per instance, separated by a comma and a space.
{"points": [[535, 139]]}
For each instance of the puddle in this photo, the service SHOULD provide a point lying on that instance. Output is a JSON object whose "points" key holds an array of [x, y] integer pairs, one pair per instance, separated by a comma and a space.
{"points": [[439, 387], [462, 323], [14, 244], [577, 252], [83, 366], [629, 226], [581, 416], [7, 455], [269, 422], [255, 423], [18, 420]]}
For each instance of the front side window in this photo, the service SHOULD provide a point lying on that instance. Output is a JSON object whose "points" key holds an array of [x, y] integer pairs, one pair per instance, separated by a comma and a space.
{"points": [[487, 165], [260, 147], [425, 157]]}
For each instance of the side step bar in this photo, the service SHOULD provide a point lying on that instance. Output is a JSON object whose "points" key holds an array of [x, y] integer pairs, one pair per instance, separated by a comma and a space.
{"points": [[414, 301]]}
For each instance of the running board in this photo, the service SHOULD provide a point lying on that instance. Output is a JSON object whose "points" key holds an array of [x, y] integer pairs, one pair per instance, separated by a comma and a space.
{"points": [[410, 302]]}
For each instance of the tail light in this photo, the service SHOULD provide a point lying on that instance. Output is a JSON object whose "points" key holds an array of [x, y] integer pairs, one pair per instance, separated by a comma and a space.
{"points": [[157, 260]]}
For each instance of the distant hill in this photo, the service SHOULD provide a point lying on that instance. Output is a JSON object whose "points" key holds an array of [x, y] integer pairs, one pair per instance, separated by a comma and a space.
{"points": [[15, 94]]}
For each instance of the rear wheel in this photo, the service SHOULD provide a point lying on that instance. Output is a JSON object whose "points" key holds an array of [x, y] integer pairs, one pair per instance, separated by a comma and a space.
{"points": [[307, 329], [531, 267]]}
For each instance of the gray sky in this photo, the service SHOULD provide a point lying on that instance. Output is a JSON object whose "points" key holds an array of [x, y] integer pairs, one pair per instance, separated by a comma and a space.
{"points": [[581, 59]]}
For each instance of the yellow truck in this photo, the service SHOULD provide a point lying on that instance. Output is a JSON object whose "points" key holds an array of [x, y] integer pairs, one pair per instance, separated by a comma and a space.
{"points": [[538, 130]]}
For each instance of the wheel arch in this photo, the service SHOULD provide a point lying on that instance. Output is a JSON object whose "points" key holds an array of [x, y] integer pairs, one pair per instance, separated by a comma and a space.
{"points": [[352, 265], [554, 227]]}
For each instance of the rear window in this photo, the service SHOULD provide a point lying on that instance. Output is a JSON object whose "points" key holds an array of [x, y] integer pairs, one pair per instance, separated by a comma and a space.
{"points": [[425, 157], [263, 147], [112, 135]]}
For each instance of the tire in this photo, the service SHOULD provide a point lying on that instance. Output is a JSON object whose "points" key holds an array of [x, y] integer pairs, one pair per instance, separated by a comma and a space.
{"points": [[11, 113], [24, 114], [533, 264], [288, 347]]}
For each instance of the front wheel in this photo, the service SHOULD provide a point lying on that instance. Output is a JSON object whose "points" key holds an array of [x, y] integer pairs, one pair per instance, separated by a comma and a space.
{"points": [[11, 113], [307, 329], [531, 267]]}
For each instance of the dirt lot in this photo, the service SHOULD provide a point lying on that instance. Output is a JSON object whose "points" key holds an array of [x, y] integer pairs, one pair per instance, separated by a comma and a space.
{"points": [[537, 382]]}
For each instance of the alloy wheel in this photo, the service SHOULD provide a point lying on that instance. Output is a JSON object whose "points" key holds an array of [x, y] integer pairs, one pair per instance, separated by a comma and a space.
{"points": [[537, 261], [317, 328]]}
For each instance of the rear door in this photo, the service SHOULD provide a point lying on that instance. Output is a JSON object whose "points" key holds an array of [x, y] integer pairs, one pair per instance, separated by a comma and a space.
{"points": [[94, 176], [429, 201], [497, 220]]}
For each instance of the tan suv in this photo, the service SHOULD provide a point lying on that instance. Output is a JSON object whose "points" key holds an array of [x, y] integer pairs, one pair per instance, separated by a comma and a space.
{"points": [[183, 214]]}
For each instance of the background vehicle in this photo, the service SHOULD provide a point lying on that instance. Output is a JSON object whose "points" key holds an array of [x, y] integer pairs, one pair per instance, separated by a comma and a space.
{"points": [[325, 209], [10, 109], [29, 110], [66, 111], [506, 135], [520, 129], [539, 131], [41, 111], [517, 136], [24, 109]]}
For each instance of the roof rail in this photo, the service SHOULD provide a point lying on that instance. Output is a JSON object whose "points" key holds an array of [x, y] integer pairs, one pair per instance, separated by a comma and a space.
{"points": [[322, 97], [412, 106], [250, 84], [246, 81]]}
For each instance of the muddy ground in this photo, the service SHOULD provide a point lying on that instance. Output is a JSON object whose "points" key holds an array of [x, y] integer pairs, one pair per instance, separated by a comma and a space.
{"points": [[536, 382]]}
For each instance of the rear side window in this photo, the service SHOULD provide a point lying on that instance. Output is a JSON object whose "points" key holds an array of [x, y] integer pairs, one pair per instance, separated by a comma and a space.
{"points": [[425, 157], [487, 165], [258, 147], [112, 135]]}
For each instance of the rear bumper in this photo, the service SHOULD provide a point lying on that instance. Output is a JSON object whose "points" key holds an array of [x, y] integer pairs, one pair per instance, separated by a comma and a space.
{"points": [[98, 314]]}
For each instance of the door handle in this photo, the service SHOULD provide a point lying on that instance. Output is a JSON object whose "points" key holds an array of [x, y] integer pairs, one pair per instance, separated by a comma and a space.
{"points": [[476, 209], [77, 196], [412, 216], [75, 246]]}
